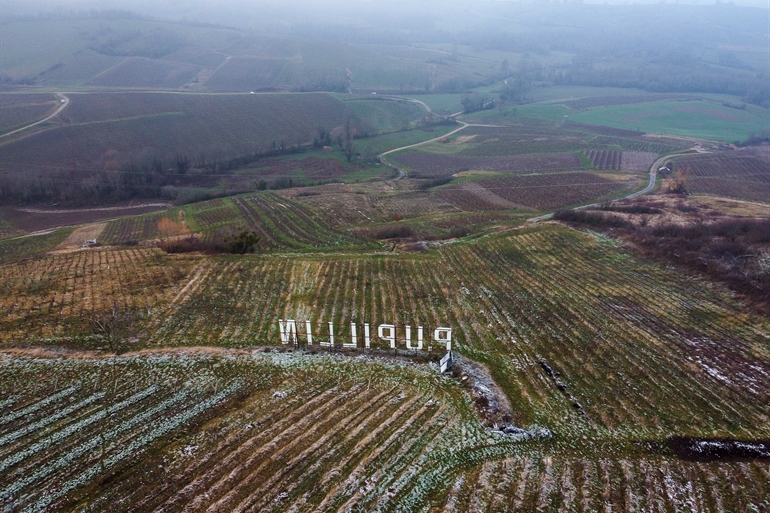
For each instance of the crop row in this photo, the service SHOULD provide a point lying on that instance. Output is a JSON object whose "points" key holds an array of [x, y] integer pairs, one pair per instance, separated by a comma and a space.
{"points": [[636, 345], [744, 177], [474, 196], [601, 101], [633, 144], [608, 322], [355, 433], [637, 160], [341, 205], [523, 139], [612, 485], [215, 217], [539, 192], [612, 330], [603, 159], [19, 248], [83, 422], [282, 223], [132, 229], [426, 165], [63, 294]]}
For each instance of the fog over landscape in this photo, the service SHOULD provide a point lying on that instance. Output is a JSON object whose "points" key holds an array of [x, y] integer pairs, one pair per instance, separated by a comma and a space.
{"points": [[384, 256]]}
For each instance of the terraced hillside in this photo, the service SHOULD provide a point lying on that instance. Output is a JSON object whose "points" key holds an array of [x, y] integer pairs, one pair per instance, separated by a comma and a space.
{"points": [[681, 351], [279, 221]]}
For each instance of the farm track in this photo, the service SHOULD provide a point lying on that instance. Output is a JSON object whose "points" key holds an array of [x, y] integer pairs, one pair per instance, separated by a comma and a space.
{"points": [[400, 171], [64, 104]]}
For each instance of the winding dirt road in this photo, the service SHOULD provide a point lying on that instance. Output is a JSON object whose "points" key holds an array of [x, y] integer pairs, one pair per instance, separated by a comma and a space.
{"points": [[64, 102]]}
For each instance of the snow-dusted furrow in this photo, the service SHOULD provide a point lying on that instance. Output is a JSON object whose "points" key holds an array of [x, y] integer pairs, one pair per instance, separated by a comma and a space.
{"points": [[82, 449], [35, 426], [131, 449], [5, 419]]}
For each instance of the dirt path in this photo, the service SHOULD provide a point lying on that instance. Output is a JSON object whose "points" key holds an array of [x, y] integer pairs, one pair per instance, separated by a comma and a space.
{"points": [[76, 239], [94, 209], [64, 102], [401, 172]]}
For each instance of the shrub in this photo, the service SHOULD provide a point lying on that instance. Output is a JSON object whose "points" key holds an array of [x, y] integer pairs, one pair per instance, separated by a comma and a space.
{"points": [[402, 231], [593, 219], [426, 184]]}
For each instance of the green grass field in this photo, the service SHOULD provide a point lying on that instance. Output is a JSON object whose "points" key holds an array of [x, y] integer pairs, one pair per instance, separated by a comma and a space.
{"points": [[18, 248], [442, 103], [699, 119]]}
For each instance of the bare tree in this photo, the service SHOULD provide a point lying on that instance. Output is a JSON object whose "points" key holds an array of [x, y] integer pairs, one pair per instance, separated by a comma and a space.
{"points": [[114, 326], [345, 134]]}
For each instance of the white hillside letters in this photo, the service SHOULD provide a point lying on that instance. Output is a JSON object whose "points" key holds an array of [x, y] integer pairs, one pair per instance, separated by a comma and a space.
{"points": [[385, 332]]}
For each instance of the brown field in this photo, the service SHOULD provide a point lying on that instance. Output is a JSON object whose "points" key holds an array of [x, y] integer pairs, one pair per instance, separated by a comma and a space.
{"points": [[472, 196], [63, 294], [308, 168], [34, 219], [143, 126], [426, 165], [345, 205], [539, 192], [725, 174], [637, 160], [17, 110]]}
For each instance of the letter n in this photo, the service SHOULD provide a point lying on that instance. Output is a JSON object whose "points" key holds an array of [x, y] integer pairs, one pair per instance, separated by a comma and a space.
{"points": [[288, 331]]}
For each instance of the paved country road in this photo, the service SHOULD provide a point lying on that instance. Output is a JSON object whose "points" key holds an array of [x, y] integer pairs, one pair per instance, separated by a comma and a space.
{"points": [[650, 186], [401, 172], [64, 102]]}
